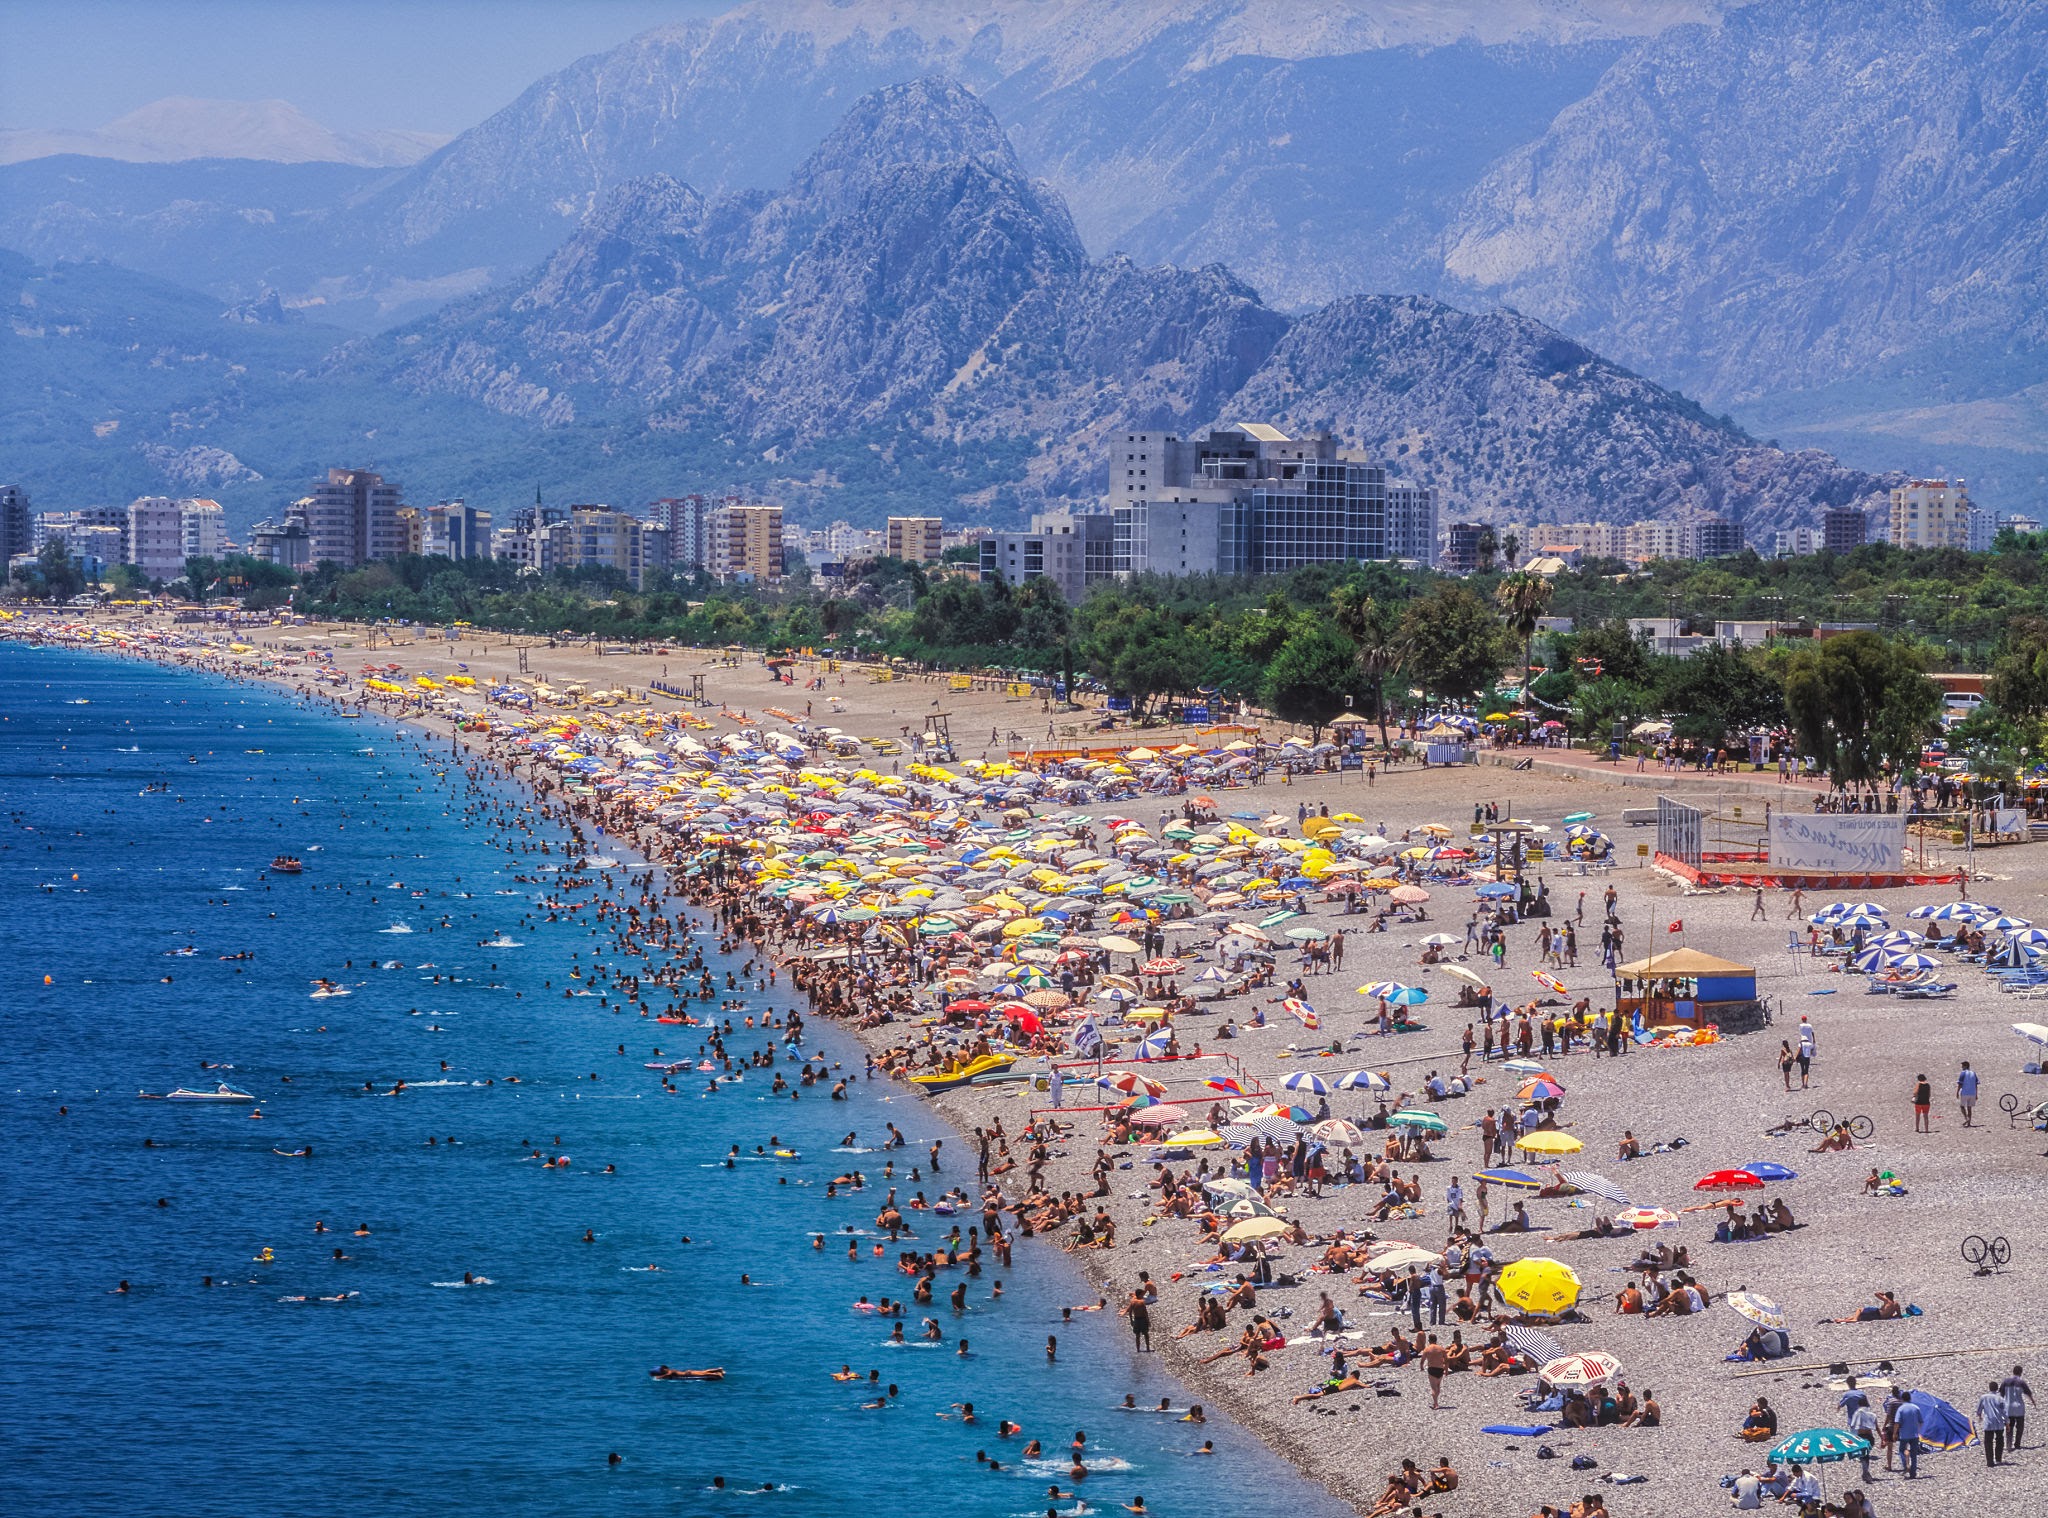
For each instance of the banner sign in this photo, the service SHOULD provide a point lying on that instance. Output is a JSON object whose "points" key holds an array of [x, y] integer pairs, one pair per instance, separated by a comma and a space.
{"points": [[1852, 844]]}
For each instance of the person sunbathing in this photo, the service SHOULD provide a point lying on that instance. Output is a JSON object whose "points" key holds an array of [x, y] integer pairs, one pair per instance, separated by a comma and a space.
{"points": [[1498, 1360], [1395, 1352], [1603, 1228], [1348, 1382], [1886, 1306]]}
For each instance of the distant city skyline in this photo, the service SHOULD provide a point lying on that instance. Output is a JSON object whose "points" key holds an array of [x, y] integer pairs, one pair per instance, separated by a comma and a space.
{"points": [[352, 65]]}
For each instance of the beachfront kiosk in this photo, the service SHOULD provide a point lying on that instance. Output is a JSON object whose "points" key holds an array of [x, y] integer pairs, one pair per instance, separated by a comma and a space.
{"points": [[1688, 989]]}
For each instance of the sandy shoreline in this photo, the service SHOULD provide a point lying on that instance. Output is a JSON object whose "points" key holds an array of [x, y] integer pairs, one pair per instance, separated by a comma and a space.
{"points": [[1985, 1180]]}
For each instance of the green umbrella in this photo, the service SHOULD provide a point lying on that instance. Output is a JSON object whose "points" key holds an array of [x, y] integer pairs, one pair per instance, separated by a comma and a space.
{"points": [[1819, 1446], [1417, 1117]]}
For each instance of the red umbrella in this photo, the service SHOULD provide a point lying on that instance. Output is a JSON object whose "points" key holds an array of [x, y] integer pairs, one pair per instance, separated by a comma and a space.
{"points": [[1028, 1021], [965, 1003], [1728, 1180], [1162, 967]]}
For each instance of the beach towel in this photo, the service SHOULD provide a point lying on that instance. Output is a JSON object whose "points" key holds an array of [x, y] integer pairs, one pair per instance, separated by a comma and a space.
{"points": [[1515, 1430]]}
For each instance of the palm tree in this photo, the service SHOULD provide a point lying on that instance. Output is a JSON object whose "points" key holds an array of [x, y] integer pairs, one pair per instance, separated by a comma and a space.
{"points": [[1374, 627], [1487, 546], [1523, 599]]}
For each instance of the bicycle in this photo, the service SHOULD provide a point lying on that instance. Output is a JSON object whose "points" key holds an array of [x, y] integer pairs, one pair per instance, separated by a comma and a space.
{"points": [[1985, 1254], [1823, 1122]]}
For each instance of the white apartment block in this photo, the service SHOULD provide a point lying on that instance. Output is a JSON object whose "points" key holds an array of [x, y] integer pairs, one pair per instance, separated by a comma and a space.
{"points": [[205, 528], [1938, 514], [156, 536]]}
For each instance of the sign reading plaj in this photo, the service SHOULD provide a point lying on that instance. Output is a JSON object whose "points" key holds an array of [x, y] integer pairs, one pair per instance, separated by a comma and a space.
{"points": [[1846, 845]]}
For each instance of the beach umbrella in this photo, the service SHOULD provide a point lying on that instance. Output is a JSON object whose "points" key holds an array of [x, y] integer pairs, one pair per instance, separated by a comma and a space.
{"points": [[1440, 941], [1162, 967], [1596, 1185], [1402, 1256], [1417, 1117], [1943, 1425], [1307, 935], [1526, 1067], [1274, 1126], [1119, 945], [1163, 1115], [1729, 1180], [1540, 1285], [1540, 1090], [1305, 1080], [1514, 1180], [1193, 1138], [1646, 1217], [1409, 895], [1154, 1045], [1852, 909], [1130, 1083], [1578, 816], [1533, 1342], [1769, 1170], [1363, 1080], [1337, 1131], [2033, 1033], [1588, 1369], [1224, 1185], [1549, 1141], [2005, 924], [1249, 1207], [1916, 962], [1819, 1446], [1759, 1309], [1253, 1229], [1497, 888], [1228, 1084]]}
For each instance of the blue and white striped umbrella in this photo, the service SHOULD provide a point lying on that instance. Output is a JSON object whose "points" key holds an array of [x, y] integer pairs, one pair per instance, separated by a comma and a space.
{"points": [[1838, 909], [1916, 962], [1307, 1080], [1362, 1080], [2004, 924]]}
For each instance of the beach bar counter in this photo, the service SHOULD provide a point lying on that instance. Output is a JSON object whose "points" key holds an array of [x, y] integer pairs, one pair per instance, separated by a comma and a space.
{"points": [[1689, 989]]}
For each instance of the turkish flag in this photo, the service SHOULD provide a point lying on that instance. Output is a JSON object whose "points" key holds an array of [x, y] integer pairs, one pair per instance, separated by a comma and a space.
{"points": [[1676, 927]]}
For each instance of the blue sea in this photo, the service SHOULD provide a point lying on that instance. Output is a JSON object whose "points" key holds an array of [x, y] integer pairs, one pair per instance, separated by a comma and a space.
{"points": [[140, 810]]}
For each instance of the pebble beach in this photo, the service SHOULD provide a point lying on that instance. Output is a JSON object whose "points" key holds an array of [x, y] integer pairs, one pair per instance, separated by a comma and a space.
{"points": [[1693, 1109]]}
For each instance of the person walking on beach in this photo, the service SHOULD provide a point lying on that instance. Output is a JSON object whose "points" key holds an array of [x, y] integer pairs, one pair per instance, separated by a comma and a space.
{"points": [[1923, 1100], [2016, 1393], [1907, 1424], [1808, 1046], [1756, 911], [1798, 907], [1139, 1311], [1966, 1093], [1991, 1425]]}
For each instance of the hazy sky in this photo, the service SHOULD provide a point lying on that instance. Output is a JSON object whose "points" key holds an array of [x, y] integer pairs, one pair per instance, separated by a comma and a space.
{"points": [[426, 65]]}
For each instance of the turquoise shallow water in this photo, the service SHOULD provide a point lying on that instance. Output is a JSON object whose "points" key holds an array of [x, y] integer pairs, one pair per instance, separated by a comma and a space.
{"points": [[414, 1397]]}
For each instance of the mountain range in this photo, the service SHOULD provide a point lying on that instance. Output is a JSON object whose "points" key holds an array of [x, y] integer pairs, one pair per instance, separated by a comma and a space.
{"points": [[178, 128], [1823, 216], [909, 319]]}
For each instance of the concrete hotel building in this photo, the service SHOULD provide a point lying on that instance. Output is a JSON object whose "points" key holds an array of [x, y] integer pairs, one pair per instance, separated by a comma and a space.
{"points": [[17, 523], [353, 518], [1073, 549], [597, 536], [1246, 499]]}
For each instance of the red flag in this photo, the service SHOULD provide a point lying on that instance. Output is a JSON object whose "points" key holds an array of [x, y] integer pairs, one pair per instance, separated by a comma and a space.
{"points": [[1676, 927]]}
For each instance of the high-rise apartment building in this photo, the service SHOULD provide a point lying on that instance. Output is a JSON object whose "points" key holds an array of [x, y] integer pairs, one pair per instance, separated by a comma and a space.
{"points": [[1713, 538], [1461, 547], [1843, 528], [1411, 522], [156, 536], [599, 537], [66, 525], [203, 525], [687, 521], [1797, 542], [285, 543], [1937, 514], [746, 542], [17, 524], [455, 530], [916, 540], [353, 518]]}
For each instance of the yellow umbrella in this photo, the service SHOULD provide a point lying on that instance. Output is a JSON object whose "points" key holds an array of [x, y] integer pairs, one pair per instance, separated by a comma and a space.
{"points": [[1540, 1285], [1195, 1138], [1266, 1228], [1548, 1141], [1022, 926]]}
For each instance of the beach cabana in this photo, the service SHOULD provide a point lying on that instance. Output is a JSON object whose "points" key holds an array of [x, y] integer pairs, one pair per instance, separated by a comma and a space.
{"points": [[1689, 988]]}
